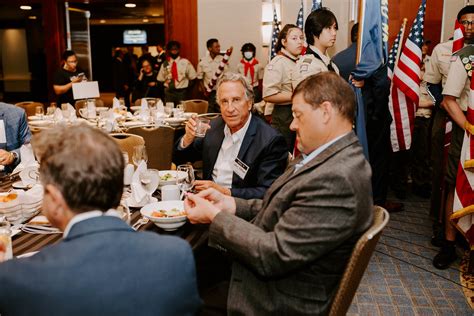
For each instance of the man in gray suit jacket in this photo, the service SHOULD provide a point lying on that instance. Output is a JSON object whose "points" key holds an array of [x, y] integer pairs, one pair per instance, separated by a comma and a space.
{"points": [[102, 266], [291, 248]]}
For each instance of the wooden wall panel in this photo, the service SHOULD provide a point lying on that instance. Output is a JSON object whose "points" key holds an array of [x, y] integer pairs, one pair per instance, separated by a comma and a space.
{"points": [[181, 25], [408, 9]]}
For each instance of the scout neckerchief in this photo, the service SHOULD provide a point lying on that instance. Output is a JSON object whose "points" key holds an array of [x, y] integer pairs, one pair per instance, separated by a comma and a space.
{"points": [[249, 66]]}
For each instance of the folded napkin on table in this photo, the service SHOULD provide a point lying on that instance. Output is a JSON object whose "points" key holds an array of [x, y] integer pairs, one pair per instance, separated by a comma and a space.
{"points": [[160, 107], [115, 103], [27, 158], [138, 192], [58, 115]]}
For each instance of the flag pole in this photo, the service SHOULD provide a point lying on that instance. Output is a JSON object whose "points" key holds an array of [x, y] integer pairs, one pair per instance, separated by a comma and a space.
{"points": [[360, 29], [404, 24]]}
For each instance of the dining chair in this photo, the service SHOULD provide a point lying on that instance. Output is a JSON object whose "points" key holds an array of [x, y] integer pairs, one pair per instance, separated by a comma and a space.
{"points": [[358, 262], [29, 107], [196, 105], [159, 144], [127, 142]]}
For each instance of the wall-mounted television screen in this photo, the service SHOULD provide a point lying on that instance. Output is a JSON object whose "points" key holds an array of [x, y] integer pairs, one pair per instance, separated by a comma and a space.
{"points": [[134, 37]]}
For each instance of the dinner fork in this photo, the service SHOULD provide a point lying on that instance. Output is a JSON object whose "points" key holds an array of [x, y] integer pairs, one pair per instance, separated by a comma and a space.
{"points": [[142, 221]]}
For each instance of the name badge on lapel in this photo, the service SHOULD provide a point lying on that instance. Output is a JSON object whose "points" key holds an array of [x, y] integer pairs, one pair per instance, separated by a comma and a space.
{"points": [[3, 134], [240, 168]]}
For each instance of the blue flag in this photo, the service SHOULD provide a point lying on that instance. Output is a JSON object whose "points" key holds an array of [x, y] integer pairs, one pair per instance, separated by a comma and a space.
{"points": [[372, 54], [317, 4], [299, 19]]}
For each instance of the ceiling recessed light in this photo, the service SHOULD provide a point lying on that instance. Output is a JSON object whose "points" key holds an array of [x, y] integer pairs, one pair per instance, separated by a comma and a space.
{"points": [[130, 5], [145, 20], [25, 7], [32, 17], [102, 21]]}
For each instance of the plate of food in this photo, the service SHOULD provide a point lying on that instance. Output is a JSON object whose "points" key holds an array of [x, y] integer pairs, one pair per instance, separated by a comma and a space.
{"points": [[168, 215], [174, 121], [169, 176]]}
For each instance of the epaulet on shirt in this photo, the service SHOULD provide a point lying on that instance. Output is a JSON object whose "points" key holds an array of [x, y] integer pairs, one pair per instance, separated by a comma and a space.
{"points": [[466, 55]]}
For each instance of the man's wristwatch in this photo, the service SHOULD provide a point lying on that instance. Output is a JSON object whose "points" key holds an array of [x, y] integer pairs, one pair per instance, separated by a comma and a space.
{"points": [[14, 156]]}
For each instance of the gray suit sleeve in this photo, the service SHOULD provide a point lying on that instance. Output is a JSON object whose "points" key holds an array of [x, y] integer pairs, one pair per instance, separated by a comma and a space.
{"points": [[320, 218]]}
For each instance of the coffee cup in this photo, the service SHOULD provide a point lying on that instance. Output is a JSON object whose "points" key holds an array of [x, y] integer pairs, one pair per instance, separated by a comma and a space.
{"points": [[170, 193]]}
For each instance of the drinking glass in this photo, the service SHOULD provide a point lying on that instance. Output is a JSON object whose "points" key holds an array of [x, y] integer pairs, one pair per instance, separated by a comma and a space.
{"points": [[150, 179], [6, 251], [185, 178], [169, 107], [51, 108], [139, 154], [39, 111], [151, 103], [124, 211], [202, 125]]}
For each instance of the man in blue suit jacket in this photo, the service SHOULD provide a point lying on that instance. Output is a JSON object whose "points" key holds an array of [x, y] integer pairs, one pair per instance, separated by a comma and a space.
{"points": [[241, 154], [14, 132], [102, 266]]}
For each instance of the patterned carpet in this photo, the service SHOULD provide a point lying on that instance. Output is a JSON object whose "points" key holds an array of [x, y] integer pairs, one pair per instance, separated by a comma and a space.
{"points": [[400, 278]]}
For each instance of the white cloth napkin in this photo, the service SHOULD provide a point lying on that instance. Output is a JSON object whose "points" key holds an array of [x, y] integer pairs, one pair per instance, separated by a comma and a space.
{"points": [[144, 104], [29, 175], [160, 107], [72, 112], [115, 103], [138, 192], [27, 158], [33, 195], [91, 113], [58, 115]]}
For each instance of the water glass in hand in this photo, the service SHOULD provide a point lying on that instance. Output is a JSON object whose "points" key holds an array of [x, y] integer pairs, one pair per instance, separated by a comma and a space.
{"points": [[185, 177]]}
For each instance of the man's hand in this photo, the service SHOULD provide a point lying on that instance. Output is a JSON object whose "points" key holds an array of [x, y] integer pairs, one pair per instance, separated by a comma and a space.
{"points": [[3, 251], [222, 202], [190, 132], [200, 210], [357, 83], [201, 185], [6, 158]]}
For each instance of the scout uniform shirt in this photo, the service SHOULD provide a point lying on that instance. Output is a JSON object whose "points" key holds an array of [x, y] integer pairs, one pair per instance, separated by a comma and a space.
{"points": [[185, 69], [436, 70], [257, 71], [207, 67], [279, 76], [310, 64], [457, 82]]}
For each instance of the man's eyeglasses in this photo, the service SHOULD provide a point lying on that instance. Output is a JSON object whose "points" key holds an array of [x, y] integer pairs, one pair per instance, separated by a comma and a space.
{"points": [[467, 23], [71, 61]]}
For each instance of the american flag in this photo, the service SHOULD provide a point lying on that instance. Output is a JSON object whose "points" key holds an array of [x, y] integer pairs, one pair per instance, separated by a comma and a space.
{"points": [[458, 43], [405, 91], [275, 33], [317, 4], [463, 207], [395, 51], [299, 19], [458, 36]]}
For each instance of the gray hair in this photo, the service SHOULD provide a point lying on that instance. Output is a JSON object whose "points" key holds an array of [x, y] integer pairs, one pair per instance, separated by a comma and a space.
{"points": [[83, 163], [235, 77]]}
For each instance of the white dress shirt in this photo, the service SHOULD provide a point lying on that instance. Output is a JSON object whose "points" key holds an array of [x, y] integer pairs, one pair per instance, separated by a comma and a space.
{"points": [[223, 171]]}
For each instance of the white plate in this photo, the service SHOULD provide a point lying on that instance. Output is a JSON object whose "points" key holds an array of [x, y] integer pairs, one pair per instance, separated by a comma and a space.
{"points": [[131, 202], [20, 185], [172, 121], [40, 123], [28, 254], [37, 118], [181, 175], [165, 223]]}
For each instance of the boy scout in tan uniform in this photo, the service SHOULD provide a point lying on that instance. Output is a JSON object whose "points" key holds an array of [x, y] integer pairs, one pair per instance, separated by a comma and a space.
{"points": [[206, 69], [175, 88], [279, 77], [313, 62], [436, 72]]}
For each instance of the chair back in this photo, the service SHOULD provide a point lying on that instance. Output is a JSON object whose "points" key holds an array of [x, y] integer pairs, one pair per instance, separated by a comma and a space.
{"points": [[358, 262], [29, 107], [127, 142], [198, 106], [159, 144]]}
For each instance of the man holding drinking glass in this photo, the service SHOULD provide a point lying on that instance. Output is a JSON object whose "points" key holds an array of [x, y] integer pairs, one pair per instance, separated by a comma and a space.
{"points": [[14, 132], [241, 154]]}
